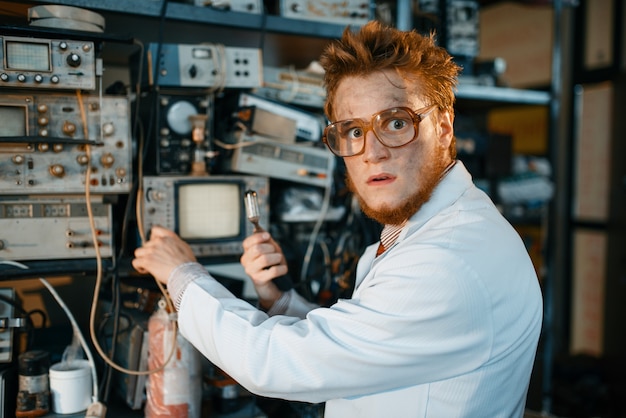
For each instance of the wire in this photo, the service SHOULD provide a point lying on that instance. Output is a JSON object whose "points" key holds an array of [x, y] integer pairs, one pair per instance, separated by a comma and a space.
{"points": [[136, 133], [219, 52], [79, 335], [315, 233], [98, 284], [75, 327]]}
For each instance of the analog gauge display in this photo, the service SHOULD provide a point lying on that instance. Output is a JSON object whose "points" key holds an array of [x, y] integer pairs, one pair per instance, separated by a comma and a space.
{"points": [[178, 117]]}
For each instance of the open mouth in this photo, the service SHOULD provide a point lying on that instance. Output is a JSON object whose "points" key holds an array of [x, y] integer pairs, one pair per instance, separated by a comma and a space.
{"points": [[379, 178]]}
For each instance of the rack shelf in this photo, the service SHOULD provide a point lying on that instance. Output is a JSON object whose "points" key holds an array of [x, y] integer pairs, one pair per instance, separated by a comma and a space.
{"points": [[206, 15], [503, 94], [181, 12]]}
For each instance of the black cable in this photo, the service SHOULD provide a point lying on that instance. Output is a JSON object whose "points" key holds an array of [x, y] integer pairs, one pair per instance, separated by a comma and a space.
{"points": [[42, 314], [137, 130], [108, 371]]}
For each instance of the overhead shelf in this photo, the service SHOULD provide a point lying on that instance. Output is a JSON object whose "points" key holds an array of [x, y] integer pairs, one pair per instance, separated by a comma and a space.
{"points": [[502, 94], [276, 24], [206, 15]]}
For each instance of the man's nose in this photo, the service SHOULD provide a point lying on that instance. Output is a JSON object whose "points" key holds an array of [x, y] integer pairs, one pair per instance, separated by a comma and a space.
{"points": [[374, 149]]}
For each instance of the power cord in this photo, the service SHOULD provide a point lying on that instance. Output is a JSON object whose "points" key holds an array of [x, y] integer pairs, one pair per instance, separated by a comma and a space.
{"points": [[96, 409]]}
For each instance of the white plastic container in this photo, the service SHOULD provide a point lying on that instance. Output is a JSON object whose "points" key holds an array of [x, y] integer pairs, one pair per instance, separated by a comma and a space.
{"points": [[70, 387]]}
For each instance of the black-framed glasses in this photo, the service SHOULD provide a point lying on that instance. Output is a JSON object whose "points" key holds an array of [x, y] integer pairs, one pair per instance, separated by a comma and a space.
{"points": [[393, 128]]}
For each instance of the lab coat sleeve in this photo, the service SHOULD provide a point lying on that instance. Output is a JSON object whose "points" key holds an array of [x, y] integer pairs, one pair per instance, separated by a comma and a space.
{"points": [[291, 304], [401, 329]]}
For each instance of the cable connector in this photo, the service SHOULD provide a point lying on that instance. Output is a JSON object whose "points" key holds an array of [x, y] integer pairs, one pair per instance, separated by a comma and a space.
{"points": [[96, 410]]}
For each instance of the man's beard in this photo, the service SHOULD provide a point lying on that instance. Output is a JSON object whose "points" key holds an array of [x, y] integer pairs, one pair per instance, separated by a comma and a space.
{"points": [[430, 176]]}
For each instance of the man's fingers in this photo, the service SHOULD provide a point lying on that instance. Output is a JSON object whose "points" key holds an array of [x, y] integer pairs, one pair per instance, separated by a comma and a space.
{"points": [[255, 239], [159, 232]]}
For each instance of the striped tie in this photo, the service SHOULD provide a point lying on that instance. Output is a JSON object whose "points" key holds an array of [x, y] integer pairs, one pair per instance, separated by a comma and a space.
{"points": [[388, 236]]}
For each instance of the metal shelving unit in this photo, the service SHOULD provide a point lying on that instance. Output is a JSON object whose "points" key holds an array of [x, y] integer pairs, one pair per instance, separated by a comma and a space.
{"points": [[150, 11]]}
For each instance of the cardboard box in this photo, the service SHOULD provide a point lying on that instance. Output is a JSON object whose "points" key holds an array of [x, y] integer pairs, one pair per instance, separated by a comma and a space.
{"points": [[527, 126], [523, 36]]}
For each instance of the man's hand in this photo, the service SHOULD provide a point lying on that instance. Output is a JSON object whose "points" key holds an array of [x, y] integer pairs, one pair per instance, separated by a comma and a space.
{"points": [[162, 254], [263, 261]]}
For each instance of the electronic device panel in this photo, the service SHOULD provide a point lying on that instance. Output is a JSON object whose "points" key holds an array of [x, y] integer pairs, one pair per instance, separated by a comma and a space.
{"points": [[172, 153], [341, 12], [49, 228], [296, 87], [44, 139], [203, 66], [298, 163], [309, 126], [244, 6], [207, 212], [38, 63]]}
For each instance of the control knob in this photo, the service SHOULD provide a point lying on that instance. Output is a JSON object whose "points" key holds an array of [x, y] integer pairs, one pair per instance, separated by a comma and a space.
{"points": [[108, 129], [73, 60], [157, 195], [107, 160], [57, 170], [69, 128], [82, 159], [193, 71]]}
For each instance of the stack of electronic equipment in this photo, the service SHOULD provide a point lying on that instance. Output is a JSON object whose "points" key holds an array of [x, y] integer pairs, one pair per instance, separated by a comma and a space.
{"points": [[281, 141], [65, 148], [456, 23], [182, 189], [301, 87]]}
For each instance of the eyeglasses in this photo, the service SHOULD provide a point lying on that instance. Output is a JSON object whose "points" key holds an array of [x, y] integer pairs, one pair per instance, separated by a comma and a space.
{"points": [[393, 128]]}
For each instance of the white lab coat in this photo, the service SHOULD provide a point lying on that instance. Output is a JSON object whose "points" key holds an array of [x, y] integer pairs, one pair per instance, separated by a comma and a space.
{"points": [[443, 324]]}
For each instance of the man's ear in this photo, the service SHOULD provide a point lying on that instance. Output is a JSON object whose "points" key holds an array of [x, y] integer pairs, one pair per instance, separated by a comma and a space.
{"points": [[445, 127]]}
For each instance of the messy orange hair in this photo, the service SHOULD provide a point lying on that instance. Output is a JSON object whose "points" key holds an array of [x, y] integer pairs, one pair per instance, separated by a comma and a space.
{"points": [[376, 47]]}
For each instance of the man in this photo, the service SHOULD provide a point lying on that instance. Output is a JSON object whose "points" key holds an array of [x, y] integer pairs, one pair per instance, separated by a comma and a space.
{"points": [[444, 320]]}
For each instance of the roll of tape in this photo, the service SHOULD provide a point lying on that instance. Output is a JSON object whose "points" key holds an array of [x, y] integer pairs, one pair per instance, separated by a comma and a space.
{"points": [[66, 12], [55, 22]]}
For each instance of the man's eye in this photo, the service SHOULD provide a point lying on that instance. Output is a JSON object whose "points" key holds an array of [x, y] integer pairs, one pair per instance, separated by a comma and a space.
{"points": [[396, 125], [355, 133]]}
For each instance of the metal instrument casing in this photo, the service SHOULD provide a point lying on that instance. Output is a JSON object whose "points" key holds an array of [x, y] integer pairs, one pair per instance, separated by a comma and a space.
{"points": [[355, 12], [162, 206], [54, 227], [39, 63], [292, 162], [203, 66], [243, 6], [43, 146]]}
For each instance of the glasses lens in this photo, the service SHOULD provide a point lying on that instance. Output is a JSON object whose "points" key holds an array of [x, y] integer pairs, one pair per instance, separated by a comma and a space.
{"points": [[345, 138], [394, 127]]}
